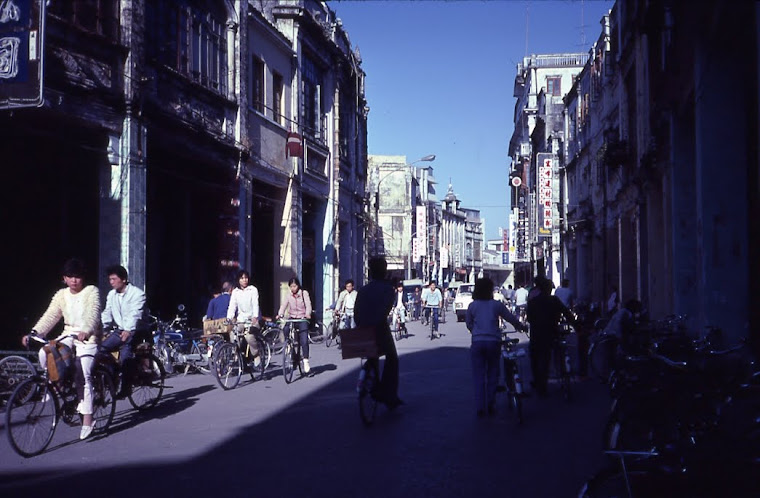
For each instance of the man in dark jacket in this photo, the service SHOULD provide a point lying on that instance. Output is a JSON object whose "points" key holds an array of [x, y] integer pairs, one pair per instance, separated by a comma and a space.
{"points": [[544, 313]]}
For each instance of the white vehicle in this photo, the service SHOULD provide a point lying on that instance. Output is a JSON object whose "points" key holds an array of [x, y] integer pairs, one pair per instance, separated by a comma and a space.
{"points": [[462, 300]]}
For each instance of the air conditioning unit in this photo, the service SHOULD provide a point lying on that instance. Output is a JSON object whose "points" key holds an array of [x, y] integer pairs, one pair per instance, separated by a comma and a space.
{"points": [[525, 149]]}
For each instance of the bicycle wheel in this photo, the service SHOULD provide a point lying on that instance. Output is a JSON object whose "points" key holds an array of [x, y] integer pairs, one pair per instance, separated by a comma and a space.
{"points": [[276, 339], [287, 361], [229, 366], [601, 357], [331, 331], [13, 370], [265, 355], [516, 403], [103, 399], [31, 416], [316, 334], [162, 353], [367, 399], [397, 330], [148, 384]]}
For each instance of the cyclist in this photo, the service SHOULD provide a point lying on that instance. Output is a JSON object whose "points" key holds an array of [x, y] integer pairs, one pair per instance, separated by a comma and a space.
{"points": [[125, 315], [79, 306], [373, 304], [345, 306], [244, 306], [521, 301], [399, 308], [298, 305], [433, 301], [423, 299]]}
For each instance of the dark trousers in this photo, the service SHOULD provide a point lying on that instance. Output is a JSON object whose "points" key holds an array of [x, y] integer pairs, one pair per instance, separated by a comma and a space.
{"points": [[485, 357], [540, 361], [389, 381], [113, 343]]}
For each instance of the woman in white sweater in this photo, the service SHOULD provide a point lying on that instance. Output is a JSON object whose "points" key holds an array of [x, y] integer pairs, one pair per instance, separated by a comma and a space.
{"points": [[79, 306]]}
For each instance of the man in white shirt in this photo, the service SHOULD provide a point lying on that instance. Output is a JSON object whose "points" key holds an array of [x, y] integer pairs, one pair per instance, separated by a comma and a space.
{"points": [[125, 315], [344, 307], [434, 302], [399, 306], [521, 301]]}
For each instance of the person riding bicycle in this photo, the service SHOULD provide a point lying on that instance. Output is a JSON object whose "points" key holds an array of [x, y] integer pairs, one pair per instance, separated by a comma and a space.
{"points": [[521, 301], [79, 306], [433, 302], [399, 308], [244, 306], [344, 307], [127, 319], [373, 304], [298, 305], [544, 313]]}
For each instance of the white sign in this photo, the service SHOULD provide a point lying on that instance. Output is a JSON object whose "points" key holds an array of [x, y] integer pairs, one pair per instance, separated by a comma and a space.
{"points": [[422, 230], [444, 257]]}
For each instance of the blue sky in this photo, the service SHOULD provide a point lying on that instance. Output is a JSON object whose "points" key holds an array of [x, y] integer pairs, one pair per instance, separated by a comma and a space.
{"points": [[440, 76]]}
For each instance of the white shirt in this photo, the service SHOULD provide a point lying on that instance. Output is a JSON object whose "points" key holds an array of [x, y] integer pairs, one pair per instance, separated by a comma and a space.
{"points": [[521, 296], [125, 310], [244, 303]]}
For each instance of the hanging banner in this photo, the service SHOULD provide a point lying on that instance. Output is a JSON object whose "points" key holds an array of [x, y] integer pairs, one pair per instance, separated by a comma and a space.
{"points": [[545, 190], [422, 229], [444, 257]]}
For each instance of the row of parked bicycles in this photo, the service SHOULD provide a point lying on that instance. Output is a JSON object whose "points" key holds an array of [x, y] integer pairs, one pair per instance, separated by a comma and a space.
{"points": [[684, 417]]}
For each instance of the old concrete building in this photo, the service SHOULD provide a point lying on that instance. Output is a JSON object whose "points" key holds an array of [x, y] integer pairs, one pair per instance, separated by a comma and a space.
{"points": [[662, 165], [540, 84], [162, 144]]}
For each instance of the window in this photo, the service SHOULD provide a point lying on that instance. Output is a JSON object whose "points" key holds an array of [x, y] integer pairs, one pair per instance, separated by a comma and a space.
{"points": [[554, 86], [257, 85], [190, 37], [95, 16], [277, 89], [312, 98]]}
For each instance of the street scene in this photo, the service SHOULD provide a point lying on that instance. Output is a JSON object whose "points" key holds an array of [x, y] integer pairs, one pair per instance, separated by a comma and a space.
{"points": [[269, 437], [223, 219]]}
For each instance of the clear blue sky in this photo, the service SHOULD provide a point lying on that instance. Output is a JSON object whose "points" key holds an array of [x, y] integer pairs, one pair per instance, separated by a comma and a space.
{"points": [[440, 77]]}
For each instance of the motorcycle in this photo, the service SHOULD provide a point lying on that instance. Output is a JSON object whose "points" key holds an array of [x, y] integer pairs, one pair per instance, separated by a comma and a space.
{"points": [[179, 347]]}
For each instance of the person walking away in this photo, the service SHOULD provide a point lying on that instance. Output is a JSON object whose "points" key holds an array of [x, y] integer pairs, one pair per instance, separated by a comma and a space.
{"points": [[125, 320], [417, 303], [344, 308], [565, 294], [434, 302], [544, 313], [373, 304], [298, 305], [399, 308], [79, 306], [482, 320], [243, 308]]}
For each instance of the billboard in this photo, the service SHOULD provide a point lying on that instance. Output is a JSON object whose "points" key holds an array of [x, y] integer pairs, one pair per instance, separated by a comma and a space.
{"points": [[22, 25]]}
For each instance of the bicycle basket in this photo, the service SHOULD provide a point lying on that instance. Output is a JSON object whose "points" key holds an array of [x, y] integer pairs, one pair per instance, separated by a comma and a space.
{"points": [[359, 342]]}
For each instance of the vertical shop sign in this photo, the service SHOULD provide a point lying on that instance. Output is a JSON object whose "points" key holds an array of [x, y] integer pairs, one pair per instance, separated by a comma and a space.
{"points": [[21, 49], [545, 188]]}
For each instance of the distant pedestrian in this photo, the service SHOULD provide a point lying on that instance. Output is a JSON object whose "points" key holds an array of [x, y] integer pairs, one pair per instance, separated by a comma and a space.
{"points": [[482, 319], [565, 294]]}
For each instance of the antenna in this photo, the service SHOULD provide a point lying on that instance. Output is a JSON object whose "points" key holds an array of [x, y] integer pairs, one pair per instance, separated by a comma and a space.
{"points": [[583, 26], [527, 26]]}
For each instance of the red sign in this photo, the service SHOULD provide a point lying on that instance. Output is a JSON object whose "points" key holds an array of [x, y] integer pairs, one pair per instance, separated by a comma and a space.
{"points": [[294, 146], [516, 181]]}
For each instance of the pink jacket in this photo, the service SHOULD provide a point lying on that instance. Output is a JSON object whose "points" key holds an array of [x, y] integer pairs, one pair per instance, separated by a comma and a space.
{"points": [[298, 304]]}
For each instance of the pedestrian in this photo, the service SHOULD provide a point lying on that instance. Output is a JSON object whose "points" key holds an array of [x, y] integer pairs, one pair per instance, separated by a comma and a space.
{"points": [[373, 305], [417, 303], [544, 313], [79, 306], [565, 294], [298, 305], [482, 319]]}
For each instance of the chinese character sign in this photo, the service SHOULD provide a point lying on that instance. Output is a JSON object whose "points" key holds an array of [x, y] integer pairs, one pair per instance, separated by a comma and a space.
{"points": [[21, 49], [545, 190], [444, 257], [422, 230]]}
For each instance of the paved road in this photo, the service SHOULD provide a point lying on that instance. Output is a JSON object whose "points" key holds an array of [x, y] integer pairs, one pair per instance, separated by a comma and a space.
{"points": [[306, 439]]}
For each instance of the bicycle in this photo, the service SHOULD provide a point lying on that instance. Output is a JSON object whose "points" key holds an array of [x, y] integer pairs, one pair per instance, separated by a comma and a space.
{"points": [[273, 335], [317, 333], [510, 359], [398, 328], [369, 379], [291, 353], [37, 404], [14, 369], [562, 363], [431, 321], [232, 358]]}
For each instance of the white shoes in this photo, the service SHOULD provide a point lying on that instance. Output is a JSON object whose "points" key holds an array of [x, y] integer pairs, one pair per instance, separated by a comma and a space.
{"points": [[86, 430], [306, 368], [257, 362]]}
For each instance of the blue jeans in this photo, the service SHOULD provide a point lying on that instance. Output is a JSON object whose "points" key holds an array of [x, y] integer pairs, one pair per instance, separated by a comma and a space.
{"points": [[435, 318], [485, 372]]}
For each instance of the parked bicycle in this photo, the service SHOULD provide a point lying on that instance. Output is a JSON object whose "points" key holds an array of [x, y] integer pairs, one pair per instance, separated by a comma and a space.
{"points": [[232, 358], [14, 369], [38, 403]]}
